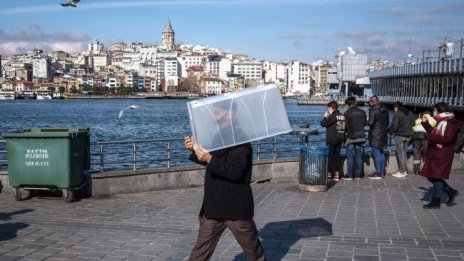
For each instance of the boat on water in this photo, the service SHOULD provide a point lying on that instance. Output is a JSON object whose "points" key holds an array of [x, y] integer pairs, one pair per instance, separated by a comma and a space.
{"points": [[43, 95], [7, 95], [26, 95]]}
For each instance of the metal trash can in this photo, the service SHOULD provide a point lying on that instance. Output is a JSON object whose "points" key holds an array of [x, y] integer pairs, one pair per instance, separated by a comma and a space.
{"points": [[48, 159], [313, 168]]}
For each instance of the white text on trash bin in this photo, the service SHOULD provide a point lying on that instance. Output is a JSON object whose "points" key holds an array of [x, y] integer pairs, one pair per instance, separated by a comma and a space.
{"points": [[34, 155]]}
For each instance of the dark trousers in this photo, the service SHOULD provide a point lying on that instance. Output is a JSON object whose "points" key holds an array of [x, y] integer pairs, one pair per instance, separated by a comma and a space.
{"points": [[439, 185], [210, 231], [419, 146], [334, 159]]}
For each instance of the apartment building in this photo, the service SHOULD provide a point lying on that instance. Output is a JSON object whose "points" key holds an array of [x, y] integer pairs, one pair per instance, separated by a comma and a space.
{"points": [[189, 60], [211, 86], [299, 80], [250, 70]]}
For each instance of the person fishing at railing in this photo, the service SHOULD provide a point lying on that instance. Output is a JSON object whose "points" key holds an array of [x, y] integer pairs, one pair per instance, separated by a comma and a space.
{"points": [[334, 122], [378, 135], [228, 197], [401, 129], [355, 120]]}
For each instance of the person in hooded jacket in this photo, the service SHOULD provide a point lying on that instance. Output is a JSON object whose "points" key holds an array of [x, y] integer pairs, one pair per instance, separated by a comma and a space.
{"points": [[440, 153], [401, 128], [378, 135], [333, 121]]}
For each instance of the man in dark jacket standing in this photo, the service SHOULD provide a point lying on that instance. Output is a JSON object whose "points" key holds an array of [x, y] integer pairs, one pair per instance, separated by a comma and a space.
{"points": [[227, 201], [378, 135], [355, 120], [401, 128]]}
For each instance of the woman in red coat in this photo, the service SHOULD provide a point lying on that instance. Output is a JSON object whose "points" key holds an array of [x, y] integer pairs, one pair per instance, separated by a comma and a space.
{"points": [[440, 153]]}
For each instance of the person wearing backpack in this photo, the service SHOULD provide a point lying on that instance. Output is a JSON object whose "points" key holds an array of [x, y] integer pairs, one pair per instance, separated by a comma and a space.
{"points": [[440, 153]]}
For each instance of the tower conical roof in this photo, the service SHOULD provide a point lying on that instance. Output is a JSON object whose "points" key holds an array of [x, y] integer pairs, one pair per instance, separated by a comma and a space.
{"points": [[168, 27]]}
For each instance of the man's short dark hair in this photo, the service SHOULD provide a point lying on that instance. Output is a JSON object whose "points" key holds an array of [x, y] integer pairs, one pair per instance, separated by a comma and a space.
{"points": [[350, 101], [397, 104], [333, 105]]}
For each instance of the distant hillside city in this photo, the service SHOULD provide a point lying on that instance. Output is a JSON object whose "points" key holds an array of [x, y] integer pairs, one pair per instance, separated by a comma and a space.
{"points": [[172, 68]]}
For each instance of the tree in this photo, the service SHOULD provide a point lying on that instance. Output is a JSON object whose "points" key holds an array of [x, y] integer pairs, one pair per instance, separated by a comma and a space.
{"points": [[189, 84]]}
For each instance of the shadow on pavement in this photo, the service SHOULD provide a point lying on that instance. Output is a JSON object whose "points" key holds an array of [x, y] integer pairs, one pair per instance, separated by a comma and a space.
{"points": [[279, 237], [9, 230]]}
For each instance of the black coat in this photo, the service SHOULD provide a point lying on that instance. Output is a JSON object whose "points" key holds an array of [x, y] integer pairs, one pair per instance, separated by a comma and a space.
{"points": [[227, 190], [355, 120], [402, 123], [332, 136], [378, 122]]}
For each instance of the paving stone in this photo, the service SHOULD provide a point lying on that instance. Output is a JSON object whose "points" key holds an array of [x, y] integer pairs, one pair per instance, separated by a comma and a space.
{"points": [[359, 220]]}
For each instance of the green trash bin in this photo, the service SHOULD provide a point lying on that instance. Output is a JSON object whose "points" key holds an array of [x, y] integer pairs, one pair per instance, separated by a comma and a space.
{"points": [[48, 158], [313, 168]]}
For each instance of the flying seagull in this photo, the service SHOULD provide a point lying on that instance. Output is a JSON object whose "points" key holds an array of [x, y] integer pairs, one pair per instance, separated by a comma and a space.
{"points": [[71, 3], [121, 112]]}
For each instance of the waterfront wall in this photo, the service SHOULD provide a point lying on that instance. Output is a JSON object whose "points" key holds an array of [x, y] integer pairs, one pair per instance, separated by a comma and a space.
{"points": [[106, 184]]}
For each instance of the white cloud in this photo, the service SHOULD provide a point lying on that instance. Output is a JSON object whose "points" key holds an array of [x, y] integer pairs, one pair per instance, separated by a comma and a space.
{"points": [[10, 48], [33, 37]]}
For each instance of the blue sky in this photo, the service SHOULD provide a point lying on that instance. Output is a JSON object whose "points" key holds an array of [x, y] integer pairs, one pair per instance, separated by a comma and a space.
{"points": [[276, 30]]}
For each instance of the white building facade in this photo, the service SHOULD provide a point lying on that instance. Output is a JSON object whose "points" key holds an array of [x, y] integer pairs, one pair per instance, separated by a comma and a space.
{"points": [[299, 80]]}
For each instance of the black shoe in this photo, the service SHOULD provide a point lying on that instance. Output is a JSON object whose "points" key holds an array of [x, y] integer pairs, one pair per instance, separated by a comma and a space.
{"points": [[452, 194], [434, 204]]}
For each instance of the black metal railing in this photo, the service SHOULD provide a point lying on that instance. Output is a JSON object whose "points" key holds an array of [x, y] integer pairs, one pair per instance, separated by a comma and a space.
{"points": [[3, 155], [167, 153]]}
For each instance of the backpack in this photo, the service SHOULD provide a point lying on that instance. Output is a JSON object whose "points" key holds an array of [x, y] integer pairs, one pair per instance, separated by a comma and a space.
{"points": [[459, 140]]}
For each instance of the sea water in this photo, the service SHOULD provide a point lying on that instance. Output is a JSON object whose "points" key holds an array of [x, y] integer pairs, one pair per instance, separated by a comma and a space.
{"points": [[152, 119]]}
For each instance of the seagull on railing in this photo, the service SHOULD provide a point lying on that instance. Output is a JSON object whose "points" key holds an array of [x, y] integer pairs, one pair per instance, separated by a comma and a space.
{"points": [[121, 112], [71, 3]]}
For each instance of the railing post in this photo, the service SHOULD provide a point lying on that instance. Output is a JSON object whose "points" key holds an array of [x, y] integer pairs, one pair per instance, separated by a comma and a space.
{"points": [[134, 156], [274, 150], [169, 154], [258, 153], [101, 158]]}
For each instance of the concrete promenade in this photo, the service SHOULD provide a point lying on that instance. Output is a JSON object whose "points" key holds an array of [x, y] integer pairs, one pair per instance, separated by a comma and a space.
{"points": [[354, 220]]}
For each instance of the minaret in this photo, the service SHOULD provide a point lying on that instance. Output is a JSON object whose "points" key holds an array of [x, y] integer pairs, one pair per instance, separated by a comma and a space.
{"points": [[168, 37]]}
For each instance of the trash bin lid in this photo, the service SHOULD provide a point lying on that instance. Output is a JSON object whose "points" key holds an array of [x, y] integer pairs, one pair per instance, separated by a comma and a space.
{"points": [[46, 133], [304, 131]]}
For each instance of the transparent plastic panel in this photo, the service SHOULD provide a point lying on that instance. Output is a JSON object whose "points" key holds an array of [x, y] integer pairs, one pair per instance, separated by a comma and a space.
{"points": [[238, 117]]}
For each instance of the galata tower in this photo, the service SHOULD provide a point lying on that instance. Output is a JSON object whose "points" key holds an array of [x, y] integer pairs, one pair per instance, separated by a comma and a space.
{"points": [[168, 37]]}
